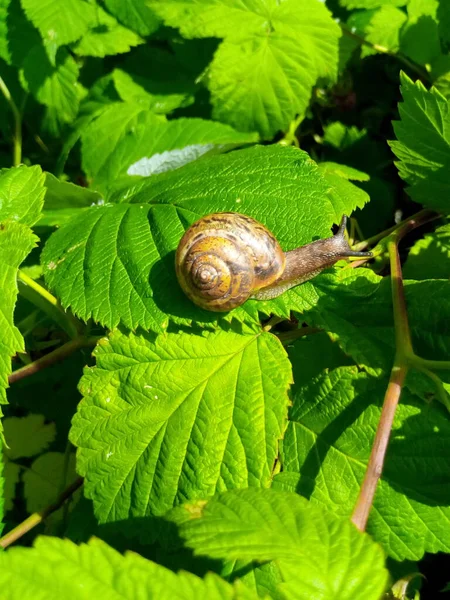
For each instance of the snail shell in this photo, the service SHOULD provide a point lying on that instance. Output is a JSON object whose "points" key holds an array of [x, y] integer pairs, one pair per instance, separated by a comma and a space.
{"points": [[224, 258]]}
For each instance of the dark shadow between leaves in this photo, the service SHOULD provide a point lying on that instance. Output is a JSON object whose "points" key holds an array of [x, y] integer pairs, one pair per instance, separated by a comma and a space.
{"points": [[154, 538]]}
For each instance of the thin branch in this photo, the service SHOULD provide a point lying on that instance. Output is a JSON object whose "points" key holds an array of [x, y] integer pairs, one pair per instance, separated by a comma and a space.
{"points": [[52, 357], [420, 218], [17, 150], [383, 50], [399, 370], [36, 518], [45, 301], [287, 337], [376, 461]]}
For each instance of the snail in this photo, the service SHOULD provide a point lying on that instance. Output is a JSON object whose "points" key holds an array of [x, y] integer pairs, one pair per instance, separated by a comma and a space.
{"points": [[226, 258]]}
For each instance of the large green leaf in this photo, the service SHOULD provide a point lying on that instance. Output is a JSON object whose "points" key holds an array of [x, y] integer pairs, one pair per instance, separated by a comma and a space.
{"points": [[106, 36], [273, 53], [22, 194], [331, 430], [16, 242], [56, 85], [153, 145], [116, 263], [356, 309], [57, 568], [368, 4], [180, 416], [134, 14], [423, 146], [60, 22], [429, 258], [265, 525]]}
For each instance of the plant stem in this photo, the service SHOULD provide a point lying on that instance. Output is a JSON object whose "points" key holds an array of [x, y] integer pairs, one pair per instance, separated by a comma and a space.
{"points": [[375, 465], [399, 370], [383, 50], [423, 216], [286, 337], [36, 518], [40, 297], [52, 357], [17, 150]]}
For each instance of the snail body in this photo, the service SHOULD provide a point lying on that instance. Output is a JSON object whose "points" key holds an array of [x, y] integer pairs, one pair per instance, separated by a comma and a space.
{"points": [[224, 259]]}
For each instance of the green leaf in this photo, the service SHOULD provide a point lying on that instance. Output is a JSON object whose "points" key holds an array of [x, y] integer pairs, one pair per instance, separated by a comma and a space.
{"points": [[380, 27], [60, 22], [134, 14], [116, 263], [356, 309], [106, 37], [369, 4], [153, 430], [11, 477], [64, 200], [346, 196], [420, 36], [27, 436], [16, 242], [154, 146], [55, 86], [137, 90], [267, 525], [443, 14], [332, 425], [262, 74], [429, 258], [47, 476], [22, 194], [97, 570], [423, 144]]}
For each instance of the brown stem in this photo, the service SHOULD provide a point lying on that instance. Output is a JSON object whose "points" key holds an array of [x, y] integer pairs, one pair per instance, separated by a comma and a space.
{"points": [[52, 357], [375, 466], [37, 518], [399, 370]]}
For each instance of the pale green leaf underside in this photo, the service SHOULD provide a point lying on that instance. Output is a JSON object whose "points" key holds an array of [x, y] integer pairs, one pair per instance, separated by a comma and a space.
{"points": [[116, 263], [423, 145], [313, 548], [331, 430], [179, 417], [154, 146], [57, 568]]}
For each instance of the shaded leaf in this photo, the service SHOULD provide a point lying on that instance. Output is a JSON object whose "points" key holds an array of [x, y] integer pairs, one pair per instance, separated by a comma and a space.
{"points": [[27, 436], [268, 525]]}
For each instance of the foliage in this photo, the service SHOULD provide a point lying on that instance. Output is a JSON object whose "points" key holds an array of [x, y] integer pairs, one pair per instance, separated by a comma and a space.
{"points": [[223, 455]]}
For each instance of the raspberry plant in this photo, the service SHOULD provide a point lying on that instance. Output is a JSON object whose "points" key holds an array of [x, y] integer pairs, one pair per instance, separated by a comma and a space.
{"points": [[296, 448]]}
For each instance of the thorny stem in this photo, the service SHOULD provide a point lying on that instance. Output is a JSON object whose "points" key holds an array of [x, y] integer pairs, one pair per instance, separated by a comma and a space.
{"points": [[52, 357], [404, 358], [383, 50], [36, 518], [17, 150], [40, 297]]}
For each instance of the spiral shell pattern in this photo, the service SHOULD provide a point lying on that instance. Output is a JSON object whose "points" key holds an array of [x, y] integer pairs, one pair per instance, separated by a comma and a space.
{"points": [[223, 258]]}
